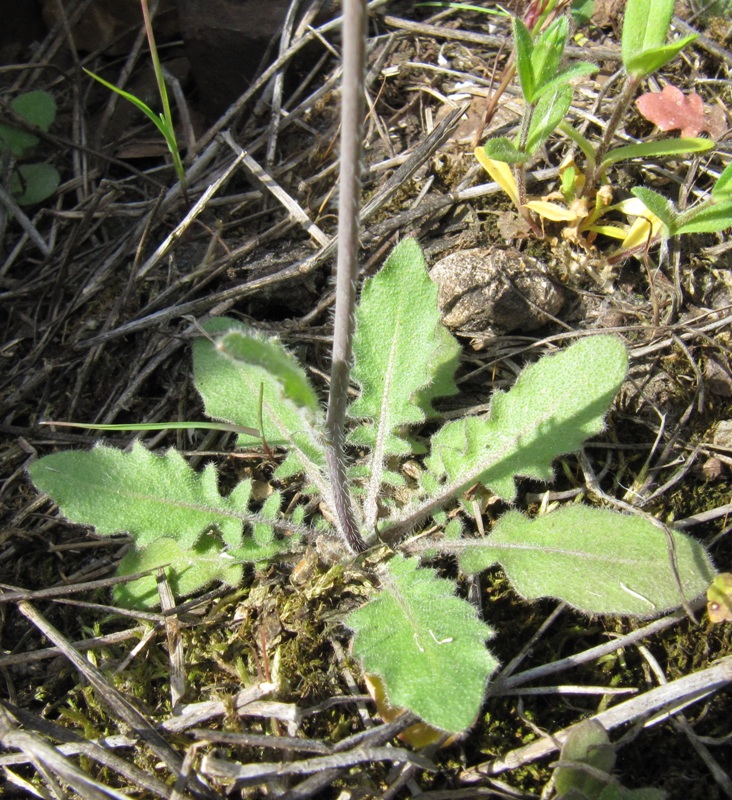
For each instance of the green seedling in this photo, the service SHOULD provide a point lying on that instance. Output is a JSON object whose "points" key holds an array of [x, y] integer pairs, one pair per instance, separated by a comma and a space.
{"points": [[30, 183], [712, 215], [547, 91], [585, 766], [424, 643], [537, 15], [584, 199], [644, 51], [163, 121]]}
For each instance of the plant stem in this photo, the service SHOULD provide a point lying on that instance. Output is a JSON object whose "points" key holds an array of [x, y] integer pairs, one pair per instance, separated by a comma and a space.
{"points": [[621, 106], [352, 113], [521, 168], [520, 174]]}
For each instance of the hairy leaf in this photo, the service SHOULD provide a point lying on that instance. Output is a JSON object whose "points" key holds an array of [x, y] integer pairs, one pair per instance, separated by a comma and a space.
{"points": [[659, 205], [708, 219], [551, 109], [722, 189], [426, 644], [188, 569], [663, 147], [645, 26], [547, 54], [146, 495], [502, 149], [599, 561], [229, 373], [524, 47], [553, 407], [651, 60], [587, 743], [443, 363], [262, 544], [38, 108], [567, 75], [250, 347], [403, 358]]}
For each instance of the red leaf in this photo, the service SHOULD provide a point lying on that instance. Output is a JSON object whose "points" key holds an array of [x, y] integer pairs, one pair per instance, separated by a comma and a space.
{"points": [[671, 110]]}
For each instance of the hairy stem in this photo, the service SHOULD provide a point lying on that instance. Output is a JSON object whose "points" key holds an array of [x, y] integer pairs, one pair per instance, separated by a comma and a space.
{"points": [[352, 113], [520, 170], [621, 106]]}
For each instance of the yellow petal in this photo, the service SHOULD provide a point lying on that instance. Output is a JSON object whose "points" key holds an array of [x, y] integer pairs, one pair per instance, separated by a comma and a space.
{"points": [[501, 174], [608, 230], [552, 211], [719, 598], [639, 233], [632, 207]]}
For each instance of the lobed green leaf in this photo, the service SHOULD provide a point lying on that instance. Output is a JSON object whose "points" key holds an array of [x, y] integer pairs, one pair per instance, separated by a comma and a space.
{"points": [[231, 388], [403, 358], [147, 495], [187, 569], [426, 644], [597, 560], [553, 407]]}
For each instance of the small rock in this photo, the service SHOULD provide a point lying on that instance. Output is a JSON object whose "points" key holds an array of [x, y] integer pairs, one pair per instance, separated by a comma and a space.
{"points": [[494, 290], [711, 470], [717, 377], [723, 434]]}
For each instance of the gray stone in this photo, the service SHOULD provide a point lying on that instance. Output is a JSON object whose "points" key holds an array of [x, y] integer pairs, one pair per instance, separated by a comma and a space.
{"points": [[494, 290]]}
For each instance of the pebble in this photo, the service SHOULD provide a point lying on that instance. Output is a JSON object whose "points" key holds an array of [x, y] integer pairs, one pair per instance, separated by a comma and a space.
{"points": [[496, 290]]}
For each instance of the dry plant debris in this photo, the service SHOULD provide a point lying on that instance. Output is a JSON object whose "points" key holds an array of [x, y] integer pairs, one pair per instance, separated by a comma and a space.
{"points": [[100, 292]]}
